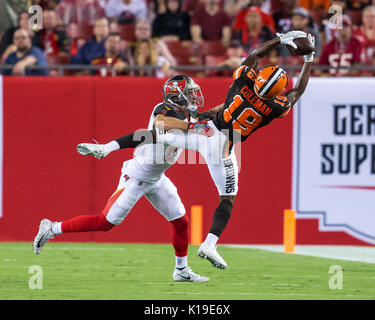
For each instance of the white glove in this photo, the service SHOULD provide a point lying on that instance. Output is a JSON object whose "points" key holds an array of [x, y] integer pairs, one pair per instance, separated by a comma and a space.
{"points": [[201, 127], [287, 38], [310, 57], [193, 108]]}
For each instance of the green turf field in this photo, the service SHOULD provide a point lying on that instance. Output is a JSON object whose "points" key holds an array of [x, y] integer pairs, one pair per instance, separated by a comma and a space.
{"points": [[144, 271]]}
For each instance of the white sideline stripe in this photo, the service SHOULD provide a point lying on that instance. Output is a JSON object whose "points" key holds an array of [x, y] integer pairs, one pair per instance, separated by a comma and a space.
{"points": [[350, 253], [267, 294]]}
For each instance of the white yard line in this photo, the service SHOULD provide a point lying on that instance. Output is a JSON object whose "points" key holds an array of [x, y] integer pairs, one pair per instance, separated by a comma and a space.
{"points": [[351, 253]]}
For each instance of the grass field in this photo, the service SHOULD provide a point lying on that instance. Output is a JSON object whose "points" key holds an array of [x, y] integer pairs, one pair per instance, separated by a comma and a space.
{"points": [[144, 271]]}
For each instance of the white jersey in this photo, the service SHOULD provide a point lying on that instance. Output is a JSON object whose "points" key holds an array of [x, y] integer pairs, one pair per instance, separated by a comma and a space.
{"points": [[151, 160]]}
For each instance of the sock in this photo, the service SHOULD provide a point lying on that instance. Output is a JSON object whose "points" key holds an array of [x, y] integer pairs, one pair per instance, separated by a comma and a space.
{"points": [[86, 223], [180, 236], [56, 228], [112, 146], [221, 217], [136, 138], [181, 262], [211, 240]]}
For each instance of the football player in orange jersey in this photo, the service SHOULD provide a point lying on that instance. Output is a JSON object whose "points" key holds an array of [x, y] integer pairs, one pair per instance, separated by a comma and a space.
{"points": [[253, 101]]}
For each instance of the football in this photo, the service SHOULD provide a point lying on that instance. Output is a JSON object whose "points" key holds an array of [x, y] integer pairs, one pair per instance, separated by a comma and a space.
{"points": [[304, 46]]}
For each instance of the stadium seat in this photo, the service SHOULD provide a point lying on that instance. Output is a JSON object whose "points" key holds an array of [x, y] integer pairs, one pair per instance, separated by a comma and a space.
{"points": [[213, 61], [269, 60], [212, 48], [127, 32], [189, 60], [58, 60], [182, 48], [210, 61], [292, 61], [80, 31], [186, 54]]}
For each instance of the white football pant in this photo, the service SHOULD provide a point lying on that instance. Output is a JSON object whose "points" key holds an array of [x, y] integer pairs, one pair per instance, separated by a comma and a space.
{"points": [[162, 195], [222, 165]]}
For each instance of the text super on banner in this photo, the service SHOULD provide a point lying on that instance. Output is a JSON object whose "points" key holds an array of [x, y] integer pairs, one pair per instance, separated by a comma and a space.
{"points": [[334, 155]]}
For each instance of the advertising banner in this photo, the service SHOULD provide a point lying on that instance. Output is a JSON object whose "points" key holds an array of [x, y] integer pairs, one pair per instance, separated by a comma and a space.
{"points": [[334, 156]]}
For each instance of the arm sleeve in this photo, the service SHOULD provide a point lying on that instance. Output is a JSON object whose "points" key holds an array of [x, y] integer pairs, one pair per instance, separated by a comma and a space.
{"points": [[160, 109], [137, 138]]}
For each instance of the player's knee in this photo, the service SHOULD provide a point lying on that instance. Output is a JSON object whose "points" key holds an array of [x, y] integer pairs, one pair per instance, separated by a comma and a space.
{"points": [[103, 224], [231, 199]]}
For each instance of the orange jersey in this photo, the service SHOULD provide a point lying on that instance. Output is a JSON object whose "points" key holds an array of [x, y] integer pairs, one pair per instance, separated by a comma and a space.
{"points": [[244, 112]]}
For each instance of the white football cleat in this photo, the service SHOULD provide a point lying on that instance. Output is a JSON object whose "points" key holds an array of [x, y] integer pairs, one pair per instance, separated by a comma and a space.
{"points": [[186, 274], [212, 255], [45, 233], [92, 149]]}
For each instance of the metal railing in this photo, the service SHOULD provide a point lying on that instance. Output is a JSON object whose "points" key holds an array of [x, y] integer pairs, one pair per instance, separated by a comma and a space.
{"points": [[62, 70]]}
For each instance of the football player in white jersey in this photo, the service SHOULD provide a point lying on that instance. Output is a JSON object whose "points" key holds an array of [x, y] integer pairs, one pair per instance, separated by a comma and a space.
{"points": [[141, 176]]}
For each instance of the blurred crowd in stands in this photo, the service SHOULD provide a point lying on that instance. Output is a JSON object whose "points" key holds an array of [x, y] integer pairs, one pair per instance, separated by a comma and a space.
{"points": [[168, 34]]}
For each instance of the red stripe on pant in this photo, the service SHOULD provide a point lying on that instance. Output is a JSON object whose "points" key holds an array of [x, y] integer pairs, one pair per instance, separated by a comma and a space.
{"points": [[180, 236], [87, 223]]}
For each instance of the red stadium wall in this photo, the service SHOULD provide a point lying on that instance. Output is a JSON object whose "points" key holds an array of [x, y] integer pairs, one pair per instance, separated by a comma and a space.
{"points": [[44, 176]]}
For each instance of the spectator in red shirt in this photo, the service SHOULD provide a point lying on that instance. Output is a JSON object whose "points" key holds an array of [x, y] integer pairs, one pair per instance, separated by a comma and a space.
{"points": [[211, 23], [192, 6], [267, 19], [253, 32], [343, 51], [111, 57], [54, 38]]}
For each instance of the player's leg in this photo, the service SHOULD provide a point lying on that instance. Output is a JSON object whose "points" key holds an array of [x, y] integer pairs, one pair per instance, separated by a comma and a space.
{"points": [[225, 176], [184, 140], [164, 197], [115, 211]]}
